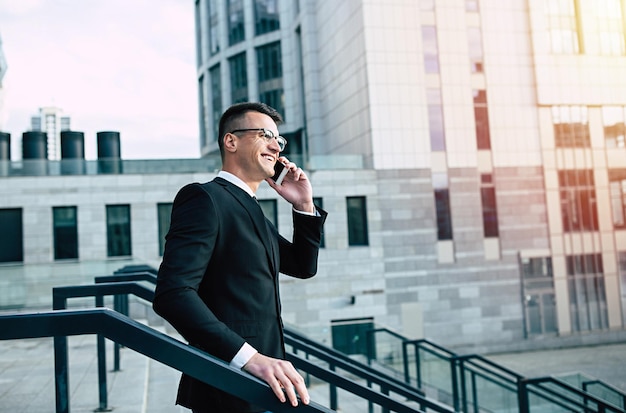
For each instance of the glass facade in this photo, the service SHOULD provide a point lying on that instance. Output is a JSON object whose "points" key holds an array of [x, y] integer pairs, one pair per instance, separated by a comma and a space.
{"points": [[481, 118], [588, 309], [490, 209], [215, 75], [578, 200], [617, 189], [442, 206], [238, 78], [266, 17], [571, 126], [614, 122], [236, 27], [436, 126], [270, 76], [562, 23]]}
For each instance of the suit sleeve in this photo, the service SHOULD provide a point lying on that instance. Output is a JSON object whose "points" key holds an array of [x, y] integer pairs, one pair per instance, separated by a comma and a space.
{"points": [[188, 249], [299, 257]]}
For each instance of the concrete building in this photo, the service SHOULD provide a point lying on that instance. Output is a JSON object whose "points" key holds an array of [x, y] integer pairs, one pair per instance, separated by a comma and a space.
{"points": [[470, 154], [51, 121]]}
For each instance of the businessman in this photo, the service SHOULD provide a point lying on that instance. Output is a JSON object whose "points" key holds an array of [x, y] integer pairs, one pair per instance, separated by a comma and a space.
{"points": [[218, 281]]}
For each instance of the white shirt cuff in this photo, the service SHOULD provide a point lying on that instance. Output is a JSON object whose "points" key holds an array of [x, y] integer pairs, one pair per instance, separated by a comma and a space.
{"points": [[244, 355], [312, 214]]}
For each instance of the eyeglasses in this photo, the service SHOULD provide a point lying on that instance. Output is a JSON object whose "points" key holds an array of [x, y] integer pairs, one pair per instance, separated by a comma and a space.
{"points": [[267, 134]]}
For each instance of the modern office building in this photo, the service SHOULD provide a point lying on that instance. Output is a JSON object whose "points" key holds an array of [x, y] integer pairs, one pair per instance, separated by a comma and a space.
{"points": [[471, 156], [51, 121], [3, 71]]}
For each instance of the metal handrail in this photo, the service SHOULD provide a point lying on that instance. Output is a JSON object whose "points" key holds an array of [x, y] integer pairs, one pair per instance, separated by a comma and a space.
{"points": [[151, 343]]}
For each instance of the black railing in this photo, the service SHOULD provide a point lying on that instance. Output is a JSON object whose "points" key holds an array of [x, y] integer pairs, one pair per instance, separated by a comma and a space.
{"points": [[151, 343]]}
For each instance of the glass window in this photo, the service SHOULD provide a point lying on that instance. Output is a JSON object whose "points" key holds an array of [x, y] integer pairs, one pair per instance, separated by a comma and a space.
{"points": [[562, 26], [214, 38], [431, 49], [236, 32], [588, 308], [435, 120], [490, 210], [614, 120], [357, 221], [442, 206], [238, 78], [481, 118], [198, 33], [164, 215], [617, 189], [578, 200], [215, 74], [270, 75], [538, 295], [350, 336], [118, 230], [471, 5], [65, 230], [270, 210], [11, 238], [621, 268], [475, 49], [266, 16], [571, 127], [319, 202]]}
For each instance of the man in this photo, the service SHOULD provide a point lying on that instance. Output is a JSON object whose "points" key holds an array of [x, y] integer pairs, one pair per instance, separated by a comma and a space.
{"points": [[218, 282]]}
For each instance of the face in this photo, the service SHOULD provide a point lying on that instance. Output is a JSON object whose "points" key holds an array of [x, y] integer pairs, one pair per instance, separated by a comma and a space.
{"points": [[255, 156]]}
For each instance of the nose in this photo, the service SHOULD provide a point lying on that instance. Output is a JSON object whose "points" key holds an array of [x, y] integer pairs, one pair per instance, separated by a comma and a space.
{"points": [[274, 145]]}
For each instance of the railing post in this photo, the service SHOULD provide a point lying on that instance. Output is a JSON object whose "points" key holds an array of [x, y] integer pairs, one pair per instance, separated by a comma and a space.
{"points": [[61, 369], [455, 384], [102, 367], [333, 392], [405, 362], [522, 396], [61, 377]]}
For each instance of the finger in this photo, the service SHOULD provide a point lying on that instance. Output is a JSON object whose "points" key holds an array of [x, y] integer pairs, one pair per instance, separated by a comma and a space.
{"points": [[277, 389]]}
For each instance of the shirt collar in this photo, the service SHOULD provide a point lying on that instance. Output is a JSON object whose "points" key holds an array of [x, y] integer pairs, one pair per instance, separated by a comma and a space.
{"points": [[235, 181]]}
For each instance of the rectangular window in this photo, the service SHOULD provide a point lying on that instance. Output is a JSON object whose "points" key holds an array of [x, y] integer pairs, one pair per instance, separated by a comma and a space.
{"points": [[270, 75], [617, 190], [214, 38], [164, 215], [65, 226], [118, 230], [270, 210], [11, 238], [538, 296], [490, 210], [614, 121], [475, 49], [215, 74], [481, 118], [442, 206], [350, 336], [585, 278], [571, 127], [357, 221], [435, 120], [266, 18], [198, 33], [236, 32], [562, 26], [238, 78], [431, 49], [578, 200], [319, 202]]}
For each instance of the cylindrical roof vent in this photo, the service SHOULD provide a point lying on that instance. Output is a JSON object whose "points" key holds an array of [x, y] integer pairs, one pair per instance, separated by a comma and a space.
{"points": [[35, 153], [72, 152], [34, 145], [109, 158]]}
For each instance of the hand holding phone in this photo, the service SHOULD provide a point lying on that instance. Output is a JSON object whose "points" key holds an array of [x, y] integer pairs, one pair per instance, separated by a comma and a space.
{"points": [[279, 172]]}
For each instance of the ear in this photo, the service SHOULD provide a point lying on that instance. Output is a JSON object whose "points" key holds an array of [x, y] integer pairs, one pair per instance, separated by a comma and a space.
{"points": [[230, 142]]}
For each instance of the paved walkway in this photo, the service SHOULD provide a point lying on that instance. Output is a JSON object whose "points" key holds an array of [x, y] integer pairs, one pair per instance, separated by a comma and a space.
{"points": [[143, 385]]}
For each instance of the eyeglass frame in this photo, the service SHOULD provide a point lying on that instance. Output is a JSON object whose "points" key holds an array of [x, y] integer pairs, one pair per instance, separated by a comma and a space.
{"points": [[267, 134]]}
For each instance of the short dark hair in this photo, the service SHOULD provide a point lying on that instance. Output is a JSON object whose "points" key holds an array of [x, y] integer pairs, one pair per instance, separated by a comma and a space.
{"points": [[230, 118]]}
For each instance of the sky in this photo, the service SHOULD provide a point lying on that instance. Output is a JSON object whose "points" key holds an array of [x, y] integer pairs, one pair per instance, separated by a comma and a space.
{"points": [[110, 65]]}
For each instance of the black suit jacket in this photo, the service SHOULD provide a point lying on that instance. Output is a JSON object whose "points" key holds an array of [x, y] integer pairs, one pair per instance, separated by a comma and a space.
{"points": [[218, 281]]}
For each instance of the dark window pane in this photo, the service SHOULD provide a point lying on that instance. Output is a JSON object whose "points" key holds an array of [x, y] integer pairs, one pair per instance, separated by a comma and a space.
{"points": [[435, 120], [578, 200], [266, 16], [490, 211], [319, 202], [270, 210], [357, 221], [444, 218], [236, 31], [571, 127], [214, 39], [238, 78], [431, 49], [350, 336], [481, 118], [118, 230], [65, 232], [216, 103], [164, 214], [270, 74], [11, 239]]}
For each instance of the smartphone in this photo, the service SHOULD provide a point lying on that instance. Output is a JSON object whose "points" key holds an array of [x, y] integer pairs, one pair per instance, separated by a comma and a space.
{"points": [[279, 172]]}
